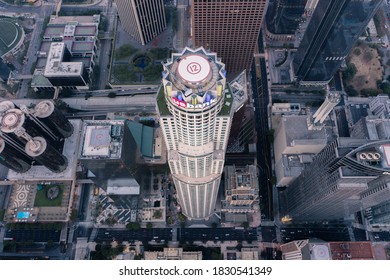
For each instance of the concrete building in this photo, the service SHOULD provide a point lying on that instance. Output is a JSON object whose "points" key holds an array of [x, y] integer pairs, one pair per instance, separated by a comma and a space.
{"points": [[67, 53], [108, 150], [295, 146], [230, 28], [330, 187], [283, 18], [319, 250], [62, 73], [195, 106], [241, 189], [173, 254], [306, 250], [333, 30], [380, 106], [42, 161], [142, 19], [352, 250]]}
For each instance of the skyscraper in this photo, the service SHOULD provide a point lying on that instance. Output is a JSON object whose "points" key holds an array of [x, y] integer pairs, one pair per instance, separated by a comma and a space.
{"points": [[284, 16], [333, 185], [195, 106], [333, 30], [142, 19], [230, 28]]}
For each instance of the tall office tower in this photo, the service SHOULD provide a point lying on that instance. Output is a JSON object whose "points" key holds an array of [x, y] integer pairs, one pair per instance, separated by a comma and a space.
{"points": [[195, 106], [283, 18], [142, 19], [333, 30], [332, 185], [230, 28]]}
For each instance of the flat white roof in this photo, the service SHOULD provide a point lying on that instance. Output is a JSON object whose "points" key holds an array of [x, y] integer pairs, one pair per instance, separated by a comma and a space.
{"points": [[194, 68], [54, 65], [97, 141]]}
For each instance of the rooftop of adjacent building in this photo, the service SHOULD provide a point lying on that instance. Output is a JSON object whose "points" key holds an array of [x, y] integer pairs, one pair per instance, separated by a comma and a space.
{"points": [[82, 20], [297, 131], [70, 151], [351, 250], [173, 254], [55, 67], [102, 139]]}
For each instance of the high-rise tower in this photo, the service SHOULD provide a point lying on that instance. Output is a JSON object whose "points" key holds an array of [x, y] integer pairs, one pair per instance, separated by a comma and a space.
{"points": [[333, 30], [195, 106], [230, 28], [283, 17], [142, 19]]}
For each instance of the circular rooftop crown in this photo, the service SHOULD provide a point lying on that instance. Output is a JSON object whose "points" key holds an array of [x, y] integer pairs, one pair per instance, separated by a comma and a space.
{"points": [[36, 146], [194, 68], [11, 120], [44, 109]]}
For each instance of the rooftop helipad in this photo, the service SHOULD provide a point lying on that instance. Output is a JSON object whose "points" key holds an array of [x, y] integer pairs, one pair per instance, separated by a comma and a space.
{"points": [[194, 68]]}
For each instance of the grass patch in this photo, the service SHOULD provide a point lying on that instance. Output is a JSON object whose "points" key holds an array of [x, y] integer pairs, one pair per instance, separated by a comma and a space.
{"points": [[226, 108], [42, 200], [161, 104]]}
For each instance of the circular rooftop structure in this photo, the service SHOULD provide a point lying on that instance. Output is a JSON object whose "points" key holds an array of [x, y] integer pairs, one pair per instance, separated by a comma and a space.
{"points": [[194, 68], [44, 109], [320, 252], [36, 147], [11, 120], [11, 36]]}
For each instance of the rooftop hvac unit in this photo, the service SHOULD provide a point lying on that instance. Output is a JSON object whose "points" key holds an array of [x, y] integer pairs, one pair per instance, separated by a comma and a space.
{"points": [[377, 156], [363, 156], [370, 156]]}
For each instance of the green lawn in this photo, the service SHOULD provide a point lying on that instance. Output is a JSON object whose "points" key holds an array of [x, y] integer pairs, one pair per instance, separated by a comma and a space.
{"points": [[41, 199]]}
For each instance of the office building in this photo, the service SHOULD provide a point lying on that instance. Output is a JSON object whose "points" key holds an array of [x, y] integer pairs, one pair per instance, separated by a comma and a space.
{"points": [[195, 106], [230, 28], [108, 150], [173, 254], [283, 18], [333, 30], [315, 249], [306, 250], [330, 187], [38, 146], [67, 53], [241, 189], [142, 19]]}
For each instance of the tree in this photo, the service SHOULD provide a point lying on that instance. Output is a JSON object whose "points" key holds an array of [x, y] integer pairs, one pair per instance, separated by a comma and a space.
{"points": [[350, 72], [133, 226], [157, 214], [149, 225], [245, 224], [214, 225]]}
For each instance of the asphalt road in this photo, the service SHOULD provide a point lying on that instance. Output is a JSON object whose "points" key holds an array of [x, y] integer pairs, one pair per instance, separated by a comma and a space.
{"points": [[261, 100], [157, 234], [323, 233], [217, 234], [34, 235]]}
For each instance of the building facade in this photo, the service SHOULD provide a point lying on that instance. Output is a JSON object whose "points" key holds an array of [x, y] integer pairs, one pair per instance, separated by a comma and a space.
{"points": [[195, 105], [230, 28], [332, 185], [333, 30], [142, 19], [284, 16]]}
